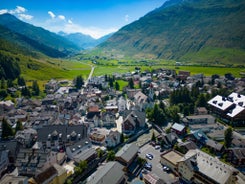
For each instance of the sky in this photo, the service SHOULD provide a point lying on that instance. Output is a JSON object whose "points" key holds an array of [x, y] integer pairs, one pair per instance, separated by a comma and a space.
{"points": [[92, 17]]}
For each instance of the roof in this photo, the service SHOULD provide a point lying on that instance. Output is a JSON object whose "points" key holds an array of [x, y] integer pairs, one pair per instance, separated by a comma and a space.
{"points": [[237, 99], [178, 127], [47, 174], [209, 166], [7, 179], [172, 156], [237, 110], [127, 152], [220, 102], [111, 173]]}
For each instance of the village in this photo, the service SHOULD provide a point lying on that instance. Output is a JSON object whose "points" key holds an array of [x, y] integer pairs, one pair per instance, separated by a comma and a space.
{"points": [[91, 135]]}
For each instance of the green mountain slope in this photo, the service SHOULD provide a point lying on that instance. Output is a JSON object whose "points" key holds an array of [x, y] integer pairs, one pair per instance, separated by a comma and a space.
{"points": [[36, 38], [183, 30]]}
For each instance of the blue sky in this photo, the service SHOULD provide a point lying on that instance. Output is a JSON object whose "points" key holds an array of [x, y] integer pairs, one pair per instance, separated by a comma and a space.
{"points": [[94, 17]]}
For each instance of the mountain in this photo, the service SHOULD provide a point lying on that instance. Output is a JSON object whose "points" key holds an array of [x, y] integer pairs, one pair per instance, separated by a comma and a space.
{"points": [[35, 38], [183, 30], [84, 41]]}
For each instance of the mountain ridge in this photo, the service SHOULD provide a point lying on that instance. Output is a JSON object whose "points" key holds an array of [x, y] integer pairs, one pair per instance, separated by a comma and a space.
{"points": [[36, 37], [181, 27]]}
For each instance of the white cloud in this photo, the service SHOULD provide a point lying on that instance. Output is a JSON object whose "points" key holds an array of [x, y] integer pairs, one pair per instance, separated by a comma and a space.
{"points": [[126, 18], [70, 21], [95, 32], [25, 16], [20, 9], [3, 11], [17, 10], [61, 17], [51, 14]]}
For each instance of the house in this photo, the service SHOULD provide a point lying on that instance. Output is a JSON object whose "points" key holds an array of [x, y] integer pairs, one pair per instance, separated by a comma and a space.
{"points": [[26, 137], [201, 111], [199, 167], [131, 93], [108, 119], [141, 100], [11, 179], [236, 156], [31, 161], [111, 172], [6, 105], [168, 140], [199, 119], [122, 104], [51, 86], [171, 158], [92, 111], [133, 121], [113, 139], [12, 147], [4, 161], [82, 150], [179, 129], [214, 146], [186, 146], [56, 137], [127, 154], [98, 136], [54, 174]]}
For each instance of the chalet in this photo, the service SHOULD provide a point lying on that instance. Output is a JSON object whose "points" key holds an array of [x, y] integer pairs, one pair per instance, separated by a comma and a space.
{"points": [[179, 129], [133, 121], [111, 172], [113, 139], [236, 156], [127, 154]]}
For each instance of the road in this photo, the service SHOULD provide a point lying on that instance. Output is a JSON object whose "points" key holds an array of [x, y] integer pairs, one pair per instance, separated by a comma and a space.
{"points": [[90, 75]]}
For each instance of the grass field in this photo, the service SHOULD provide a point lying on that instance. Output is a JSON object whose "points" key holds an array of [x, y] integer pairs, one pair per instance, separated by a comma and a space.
{"points": [[207, 71]]}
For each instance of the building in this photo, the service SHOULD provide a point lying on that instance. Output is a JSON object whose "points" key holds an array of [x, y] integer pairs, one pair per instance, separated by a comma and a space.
{"points": [[179, 129], [133, 121], [127, 154], [11, 179], [231, 108], [199, 167], [171, 159], [236, 156], [111, 172]]}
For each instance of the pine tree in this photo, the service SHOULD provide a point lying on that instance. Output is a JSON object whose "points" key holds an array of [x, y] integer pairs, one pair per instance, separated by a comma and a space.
{"points": [[117, 87], [35, 88], [19, 126], [228, 137], [6, 129]]}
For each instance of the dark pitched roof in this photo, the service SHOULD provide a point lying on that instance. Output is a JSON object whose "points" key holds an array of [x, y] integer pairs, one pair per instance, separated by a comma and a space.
{"points": [[47, 174], [62, 131]]}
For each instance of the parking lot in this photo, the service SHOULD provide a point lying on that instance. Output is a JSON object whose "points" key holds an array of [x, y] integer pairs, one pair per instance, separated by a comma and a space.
{"points": [[157, 168]]}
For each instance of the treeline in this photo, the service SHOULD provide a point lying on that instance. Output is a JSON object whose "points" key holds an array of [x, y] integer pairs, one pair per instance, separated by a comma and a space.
{"points": [[9, 67]]}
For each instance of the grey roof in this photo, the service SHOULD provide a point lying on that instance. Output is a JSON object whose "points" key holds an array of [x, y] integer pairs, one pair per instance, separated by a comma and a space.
{"points": [[127, 152], [111, 173], [178, 127], [211, 167], [62, 130]]}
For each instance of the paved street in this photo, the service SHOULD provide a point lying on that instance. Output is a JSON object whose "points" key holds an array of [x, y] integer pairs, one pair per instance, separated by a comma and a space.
{"points": [[156, 166]]}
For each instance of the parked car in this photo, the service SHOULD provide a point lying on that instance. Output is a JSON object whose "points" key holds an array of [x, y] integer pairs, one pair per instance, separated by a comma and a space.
{"points": [[148, 166], [157, 147], [165, 168], [149, 156]]}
